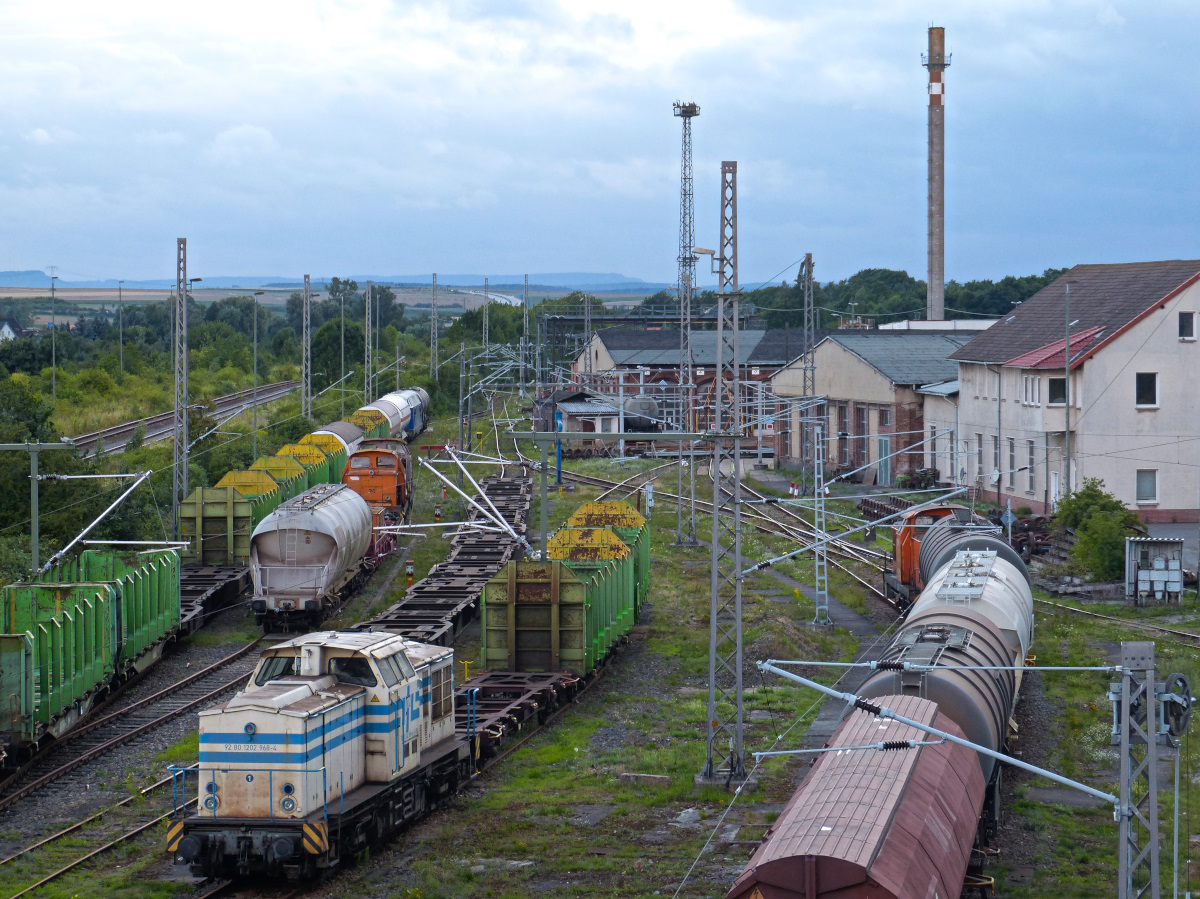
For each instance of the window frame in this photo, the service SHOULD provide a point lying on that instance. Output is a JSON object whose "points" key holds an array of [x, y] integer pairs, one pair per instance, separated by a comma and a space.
{"points": [[1137, 486], [885, 418], [1137, 390], [1050, 384], [1012, 463], [978, 456], [1190, 318], [1032, 483]]}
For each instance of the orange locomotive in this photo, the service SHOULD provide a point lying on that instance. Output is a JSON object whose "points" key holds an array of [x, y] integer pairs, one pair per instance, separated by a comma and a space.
{"points": [[380, 471]]}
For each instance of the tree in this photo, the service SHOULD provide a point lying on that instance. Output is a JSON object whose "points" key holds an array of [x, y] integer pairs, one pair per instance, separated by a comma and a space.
{"points": [[1101, 523]]}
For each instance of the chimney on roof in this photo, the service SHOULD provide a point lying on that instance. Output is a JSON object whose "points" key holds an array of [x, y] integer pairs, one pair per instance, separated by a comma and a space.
{"points": [[936, 62]]}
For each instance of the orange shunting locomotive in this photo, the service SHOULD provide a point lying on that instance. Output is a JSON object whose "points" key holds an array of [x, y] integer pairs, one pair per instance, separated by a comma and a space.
{"points": [[380, 471]]}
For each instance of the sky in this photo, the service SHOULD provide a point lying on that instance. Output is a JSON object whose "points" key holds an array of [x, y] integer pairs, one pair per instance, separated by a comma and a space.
{"points": [[365, 136]]}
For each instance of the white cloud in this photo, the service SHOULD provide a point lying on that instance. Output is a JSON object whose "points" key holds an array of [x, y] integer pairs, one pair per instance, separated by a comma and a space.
{"points": [[39, 136], [240, 145]]}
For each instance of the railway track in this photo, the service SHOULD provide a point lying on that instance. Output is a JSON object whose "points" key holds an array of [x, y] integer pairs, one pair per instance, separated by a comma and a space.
{"points": [[160, 427], [51, 769], [1184, 638]]}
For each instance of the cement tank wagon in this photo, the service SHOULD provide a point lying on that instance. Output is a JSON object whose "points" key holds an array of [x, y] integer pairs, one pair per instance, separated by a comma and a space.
{"points": [[306, 554]]}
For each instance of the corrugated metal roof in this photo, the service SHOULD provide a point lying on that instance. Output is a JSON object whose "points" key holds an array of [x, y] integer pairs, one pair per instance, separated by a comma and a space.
{"points": [[587, 408], [906, 357], [660, 349], [1102, 296], [945, 388]]}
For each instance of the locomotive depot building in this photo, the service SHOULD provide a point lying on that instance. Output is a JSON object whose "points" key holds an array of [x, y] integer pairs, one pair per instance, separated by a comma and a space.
{"points": [[873, 411], [1134, 365]]}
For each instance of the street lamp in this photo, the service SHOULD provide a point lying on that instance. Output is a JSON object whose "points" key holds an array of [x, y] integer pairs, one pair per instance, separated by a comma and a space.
{"points": [[53, 343], [121, 325], [257, 294]]}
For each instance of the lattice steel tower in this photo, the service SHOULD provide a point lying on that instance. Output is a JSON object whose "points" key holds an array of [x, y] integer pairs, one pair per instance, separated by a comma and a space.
{"points": [[725, 757], [179, 472], [433, 332], [809, 360], [687, 280], [306, 353], [368, 374]]}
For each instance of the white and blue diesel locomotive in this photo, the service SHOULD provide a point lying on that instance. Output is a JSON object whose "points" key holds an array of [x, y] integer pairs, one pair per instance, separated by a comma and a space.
{"points": [[338, 739]]}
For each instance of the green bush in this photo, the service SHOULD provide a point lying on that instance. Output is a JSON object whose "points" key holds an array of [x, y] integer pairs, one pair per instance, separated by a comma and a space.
{"points": [[1100, 522]]}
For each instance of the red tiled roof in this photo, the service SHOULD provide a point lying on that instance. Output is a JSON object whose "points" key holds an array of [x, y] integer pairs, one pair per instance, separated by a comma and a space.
{"points": [[1051, 355]]}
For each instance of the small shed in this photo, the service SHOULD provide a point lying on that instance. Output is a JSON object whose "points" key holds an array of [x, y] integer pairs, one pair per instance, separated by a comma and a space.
{"points": [[1153, 569], [581, 411]]}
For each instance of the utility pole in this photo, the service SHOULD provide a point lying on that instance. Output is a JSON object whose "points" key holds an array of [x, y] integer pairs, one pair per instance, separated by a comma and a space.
{"points": [[487, 301], [342, 373], [254, 424], [462, 365], [821, 559], [936, 62], [367, 347], [1067, 393], [121, 324], [433, 332], [305, 353], [179, 473], [587, 342], [53, 337], [524, 332], [725, 760], [686, 260], [33, 449]]}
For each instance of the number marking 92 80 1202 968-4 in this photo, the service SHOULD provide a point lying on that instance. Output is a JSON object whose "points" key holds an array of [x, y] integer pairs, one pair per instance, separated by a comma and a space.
{"points": [[251, 747]]}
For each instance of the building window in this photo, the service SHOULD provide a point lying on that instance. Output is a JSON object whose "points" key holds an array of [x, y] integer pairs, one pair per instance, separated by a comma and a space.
{"points": [[1147, 388], [953, 457], [1033, 390], [1012, 463], [933, 460], [1187, 325], [1056, 391], [996, 456], [885, 417], [1147, 485], [978, 455], [1032, 467]]}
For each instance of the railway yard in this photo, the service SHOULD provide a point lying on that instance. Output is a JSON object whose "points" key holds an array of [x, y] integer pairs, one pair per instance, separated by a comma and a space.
{"points": [[600, 800]]}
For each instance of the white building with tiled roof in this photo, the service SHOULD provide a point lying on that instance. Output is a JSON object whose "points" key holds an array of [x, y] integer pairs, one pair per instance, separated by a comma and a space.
{"points": [[1134, 364]]}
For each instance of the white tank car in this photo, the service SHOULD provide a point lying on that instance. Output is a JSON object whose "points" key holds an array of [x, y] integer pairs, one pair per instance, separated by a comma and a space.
{"points": [[349, 434], [407, 411], [306, 551], [323, 716]]}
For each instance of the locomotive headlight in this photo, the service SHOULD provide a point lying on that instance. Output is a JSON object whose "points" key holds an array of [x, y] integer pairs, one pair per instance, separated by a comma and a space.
{"points": [[210, 787], [287, 804], [211, 803]]}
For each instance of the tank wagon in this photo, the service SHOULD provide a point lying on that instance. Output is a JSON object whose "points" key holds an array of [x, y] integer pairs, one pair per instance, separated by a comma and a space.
{"points": [[71, 636], [902, 823], [309, 553], [217, 522], [939, 527]]}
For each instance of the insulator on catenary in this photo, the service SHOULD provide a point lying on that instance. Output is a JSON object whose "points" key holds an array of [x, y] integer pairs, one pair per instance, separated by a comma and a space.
{"points": [[860, 703], [889, 666], [891, 745]]}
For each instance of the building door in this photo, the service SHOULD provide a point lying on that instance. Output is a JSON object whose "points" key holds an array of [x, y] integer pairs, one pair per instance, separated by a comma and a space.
{"points": [[885, 461], [1053, 491]]}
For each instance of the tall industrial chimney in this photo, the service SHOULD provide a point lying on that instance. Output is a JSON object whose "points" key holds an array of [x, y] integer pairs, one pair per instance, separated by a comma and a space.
{"points": [[936, 62]]}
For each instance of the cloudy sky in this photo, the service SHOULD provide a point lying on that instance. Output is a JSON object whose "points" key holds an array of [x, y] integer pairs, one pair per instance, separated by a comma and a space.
{"points": [[531, 135]]}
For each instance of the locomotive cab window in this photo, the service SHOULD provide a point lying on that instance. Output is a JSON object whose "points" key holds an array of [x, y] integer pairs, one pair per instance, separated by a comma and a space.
{"points": [[353, 670], [360, 462], [395, 668], [385, 461], [274, 668]]}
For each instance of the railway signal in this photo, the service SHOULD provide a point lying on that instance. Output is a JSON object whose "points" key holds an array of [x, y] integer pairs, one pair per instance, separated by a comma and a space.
{"points": [[408, 570]]}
